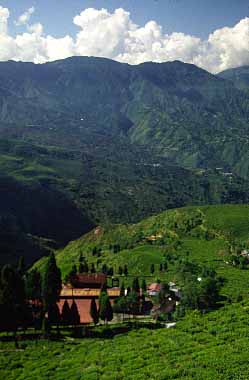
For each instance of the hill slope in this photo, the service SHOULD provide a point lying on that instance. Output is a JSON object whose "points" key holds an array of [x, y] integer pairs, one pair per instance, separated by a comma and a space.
{"points": [[239, 76], [99, 141], [211, 346], [204, 235], [172, 107]]}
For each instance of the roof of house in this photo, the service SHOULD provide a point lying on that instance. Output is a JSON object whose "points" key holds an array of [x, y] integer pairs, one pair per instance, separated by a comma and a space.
{"points": [[86, 292], [83, 306], [155, 287], [93, 278]]}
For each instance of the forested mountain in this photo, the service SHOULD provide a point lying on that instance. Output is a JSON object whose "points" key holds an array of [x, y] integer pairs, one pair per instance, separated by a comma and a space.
{"points": [[239, 76], [86, 140]]}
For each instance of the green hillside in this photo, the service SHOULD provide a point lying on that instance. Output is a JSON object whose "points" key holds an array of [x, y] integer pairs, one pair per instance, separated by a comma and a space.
{"points": [[206, 347], [239, 76], [171, 107], [61, 193], [87, 141], [205, 235]]}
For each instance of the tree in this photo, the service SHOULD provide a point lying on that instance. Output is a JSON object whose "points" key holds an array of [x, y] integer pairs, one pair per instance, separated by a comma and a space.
{"points": [[33, 285], [120, 271], [81, 268], [105, 307], [13, 306], [54, 316], [152, 268], [135, 285], [133, 303], [94, 312], [66, 313], [116, 248], [125, 270], [52, 284], [73, 272], [161, 267], [104, 269], [144, 286], [110, 271], [93, 270], [122, 290], [163, 294], [21, 266], [165, 266], [74, 314]]}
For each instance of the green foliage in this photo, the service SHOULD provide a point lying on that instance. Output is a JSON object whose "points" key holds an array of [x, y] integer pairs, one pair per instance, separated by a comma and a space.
{"points": [[51, 286], [94, 311], [33, 284], [210, 346], [67, 184], [105, 307]]}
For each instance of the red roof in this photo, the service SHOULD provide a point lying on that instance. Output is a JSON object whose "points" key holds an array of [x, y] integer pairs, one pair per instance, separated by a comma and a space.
{"points": [[80, 280], [155, 287], [83, 306]]}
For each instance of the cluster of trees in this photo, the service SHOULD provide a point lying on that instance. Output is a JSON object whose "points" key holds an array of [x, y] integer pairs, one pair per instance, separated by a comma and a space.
{"points": [[19, 288], [14, 311], [105, 310], [132, 301], [201, 287]]}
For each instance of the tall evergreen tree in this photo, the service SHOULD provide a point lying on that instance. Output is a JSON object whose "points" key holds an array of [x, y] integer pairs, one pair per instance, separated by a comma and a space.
{"points": [[52, 284], [81, 268], [135, 285], [66, 313], [125, 270], [105, 308], [93, 270], [122, 290], [12, 299], [33, 285], [152, 268], [21, 266], [94, 312], [74, 314], [144, 286]]}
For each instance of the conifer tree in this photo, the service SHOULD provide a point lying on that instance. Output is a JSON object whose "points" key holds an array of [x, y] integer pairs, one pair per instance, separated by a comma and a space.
{"points": [[33, 285], [74, 314], [135, 285], [81, 268], [152, 268], [105, 308], [94, 312], [12, 299], [125, 270], [51, 284], [66, 313], [144, 286], [93, 270], [122, 290]]}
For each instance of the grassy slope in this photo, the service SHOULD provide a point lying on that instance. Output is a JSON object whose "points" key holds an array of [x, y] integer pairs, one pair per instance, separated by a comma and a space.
{"points": [[213, 346], [222, 223]]}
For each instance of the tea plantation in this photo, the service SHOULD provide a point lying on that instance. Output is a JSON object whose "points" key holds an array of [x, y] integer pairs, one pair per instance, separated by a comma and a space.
{"points": [[206, 347]]}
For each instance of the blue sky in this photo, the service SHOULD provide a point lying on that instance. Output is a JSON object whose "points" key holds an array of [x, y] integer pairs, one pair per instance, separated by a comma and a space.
{"points": [[212, 34], [195, 17]]}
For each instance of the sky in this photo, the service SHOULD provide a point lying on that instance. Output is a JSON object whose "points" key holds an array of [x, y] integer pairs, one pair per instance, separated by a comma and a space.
{"points": [[213, 34]]}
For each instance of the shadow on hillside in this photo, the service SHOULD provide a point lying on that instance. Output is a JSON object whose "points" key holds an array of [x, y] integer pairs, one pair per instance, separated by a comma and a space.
{"points": [[79, 332]]}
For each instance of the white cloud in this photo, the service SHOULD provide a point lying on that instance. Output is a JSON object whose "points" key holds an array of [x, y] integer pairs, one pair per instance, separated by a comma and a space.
{"points": [[25, 17], [115, 35], [4, 15]]}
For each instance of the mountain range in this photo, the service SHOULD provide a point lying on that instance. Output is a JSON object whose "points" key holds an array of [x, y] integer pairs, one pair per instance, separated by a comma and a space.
{"points": [[88, 140]]}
